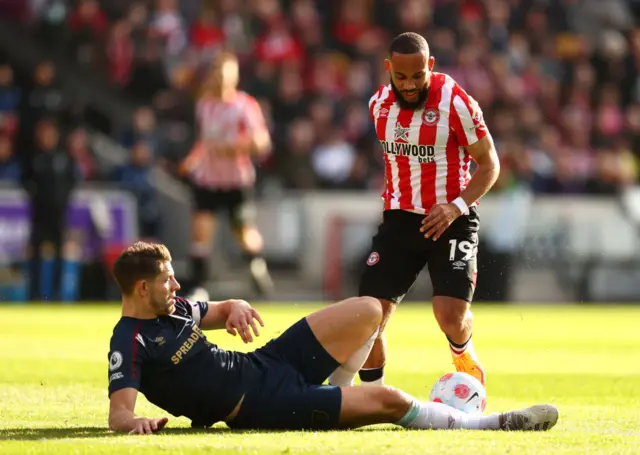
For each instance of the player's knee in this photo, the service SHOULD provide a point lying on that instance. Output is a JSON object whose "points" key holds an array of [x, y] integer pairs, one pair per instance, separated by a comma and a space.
{"points": [[374, 310], [453, 317], [451, 324], [369, 309], [391, 401]]}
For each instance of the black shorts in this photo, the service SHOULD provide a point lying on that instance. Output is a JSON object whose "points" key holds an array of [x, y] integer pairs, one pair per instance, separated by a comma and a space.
{"points": [[399, 252], [237, 203], [291, 396], [47, 226]]}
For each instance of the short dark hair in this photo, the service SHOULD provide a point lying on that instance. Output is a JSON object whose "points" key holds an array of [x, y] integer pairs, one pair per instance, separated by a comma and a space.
{"points": [[140, 261], [409, 43]]}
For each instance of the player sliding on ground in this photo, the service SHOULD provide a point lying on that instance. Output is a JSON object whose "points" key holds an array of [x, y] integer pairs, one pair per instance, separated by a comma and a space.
{"points": [[158, 348]]}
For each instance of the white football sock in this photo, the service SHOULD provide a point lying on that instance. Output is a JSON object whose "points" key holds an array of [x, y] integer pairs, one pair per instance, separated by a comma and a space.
{"points": [[344, 375], [459, 349], [439, 416]]}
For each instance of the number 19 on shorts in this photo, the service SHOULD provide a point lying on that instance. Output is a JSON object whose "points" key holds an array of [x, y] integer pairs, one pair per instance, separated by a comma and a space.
{"points": [[464, 246]]}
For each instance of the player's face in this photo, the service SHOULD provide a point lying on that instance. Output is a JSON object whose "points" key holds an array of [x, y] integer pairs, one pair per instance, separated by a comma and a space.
{"points": [[225, 74], [162, 292], [230, 73], [410, 74]]}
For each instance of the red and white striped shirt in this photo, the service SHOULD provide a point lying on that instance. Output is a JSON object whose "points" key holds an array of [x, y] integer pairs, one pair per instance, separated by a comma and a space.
{"points": [[424, 149], [226, 122]]}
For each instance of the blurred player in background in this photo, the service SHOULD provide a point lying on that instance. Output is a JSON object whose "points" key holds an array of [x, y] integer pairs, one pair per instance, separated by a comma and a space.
{"points": [[158, 348], [232, 132], [429, 129], [49, 178]]}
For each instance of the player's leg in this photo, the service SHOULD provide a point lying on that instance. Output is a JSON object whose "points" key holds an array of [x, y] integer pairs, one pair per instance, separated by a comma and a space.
{"points": [[52, 222], [299, 360], [318, 344], [242, 213], [57, 238], [363, 406], [292, 406], [453, 269], [71, 269], [203, 228], [344, 327], [372, 370], [34, 255], [292, 398], [395, 261]]}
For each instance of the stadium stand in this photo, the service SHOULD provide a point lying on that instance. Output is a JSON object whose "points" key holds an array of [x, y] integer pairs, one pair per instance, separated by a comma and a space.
{"points": [[557, 82]]}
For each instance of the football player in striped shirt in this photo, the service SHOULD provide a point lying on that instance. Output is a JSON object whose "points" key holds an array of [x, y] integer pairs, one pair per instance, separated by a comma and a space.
{"points": [[429, 131], [232, 133]]}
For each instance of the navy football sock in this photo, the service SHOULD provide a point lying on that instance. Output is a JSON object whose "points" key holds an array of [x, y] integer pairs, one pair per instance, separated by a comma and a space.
{"points": [[372, 376]]}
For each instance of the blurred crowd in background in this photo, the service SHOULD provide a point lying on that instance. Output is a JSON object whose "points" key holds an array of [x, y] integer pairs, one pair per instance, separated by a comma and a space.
{"points": [[557, 80]]}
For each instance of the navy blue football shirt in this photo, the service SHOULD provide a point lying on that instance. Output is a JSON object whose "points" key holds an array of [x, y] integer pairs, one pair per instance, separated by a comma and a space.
{"points": [[171, 362]]}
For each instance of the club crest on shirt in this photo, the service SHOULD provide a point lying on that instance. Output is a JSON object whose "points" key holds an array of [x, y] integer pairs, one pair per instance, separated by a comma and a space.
{"points": [[430, 116]]}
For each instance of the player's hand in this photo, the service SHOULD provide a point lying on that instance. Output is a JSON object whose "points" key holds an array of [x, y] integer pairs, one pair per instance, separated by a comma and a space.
{"points": [[242, 319], [148, 426], [183, 169], [187, 165], [439, 219]]}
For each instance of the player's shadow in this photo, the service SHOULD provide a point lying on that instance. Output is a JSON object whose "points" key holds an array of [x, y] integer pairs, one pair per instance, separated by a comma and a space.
{"points": [[36, 434]]}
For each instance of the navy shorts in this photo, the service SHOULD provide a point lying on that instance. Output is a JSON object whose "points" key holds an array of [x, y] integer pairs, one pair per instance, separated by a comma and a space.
{"points": [[291, 395]]}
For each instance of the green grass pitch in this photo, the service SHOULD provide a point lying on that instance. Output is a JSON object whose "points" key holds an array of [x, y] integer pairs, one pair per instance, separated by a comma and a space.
{"points": [[585, 360]]}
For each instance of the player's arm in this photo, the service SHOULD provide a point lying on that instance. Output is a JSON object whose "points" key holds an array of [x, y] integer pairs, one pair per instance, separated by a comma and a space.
{"points": [[255, 138], [123, 419], [193, 158], [258, 141], [487, 171], [236, 316], [126, 357], [471, 132]]}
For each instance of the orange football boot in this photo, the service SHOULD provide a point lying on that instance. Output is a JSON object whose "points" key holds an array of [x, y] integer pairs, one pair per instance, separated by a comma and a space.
{"points": [[468, 363]]}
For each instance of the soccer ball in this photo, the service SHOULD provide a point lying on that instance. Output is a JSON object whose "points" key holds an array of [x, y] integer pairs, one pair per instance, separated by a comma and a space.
{"points": [[460, 391]]}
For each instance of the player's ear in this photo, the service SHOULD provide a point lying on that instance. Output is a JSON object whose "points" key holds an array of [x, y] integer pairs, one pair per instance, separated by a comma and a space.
{"points": [[432, 62], [387, 64], [143, 288]]}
